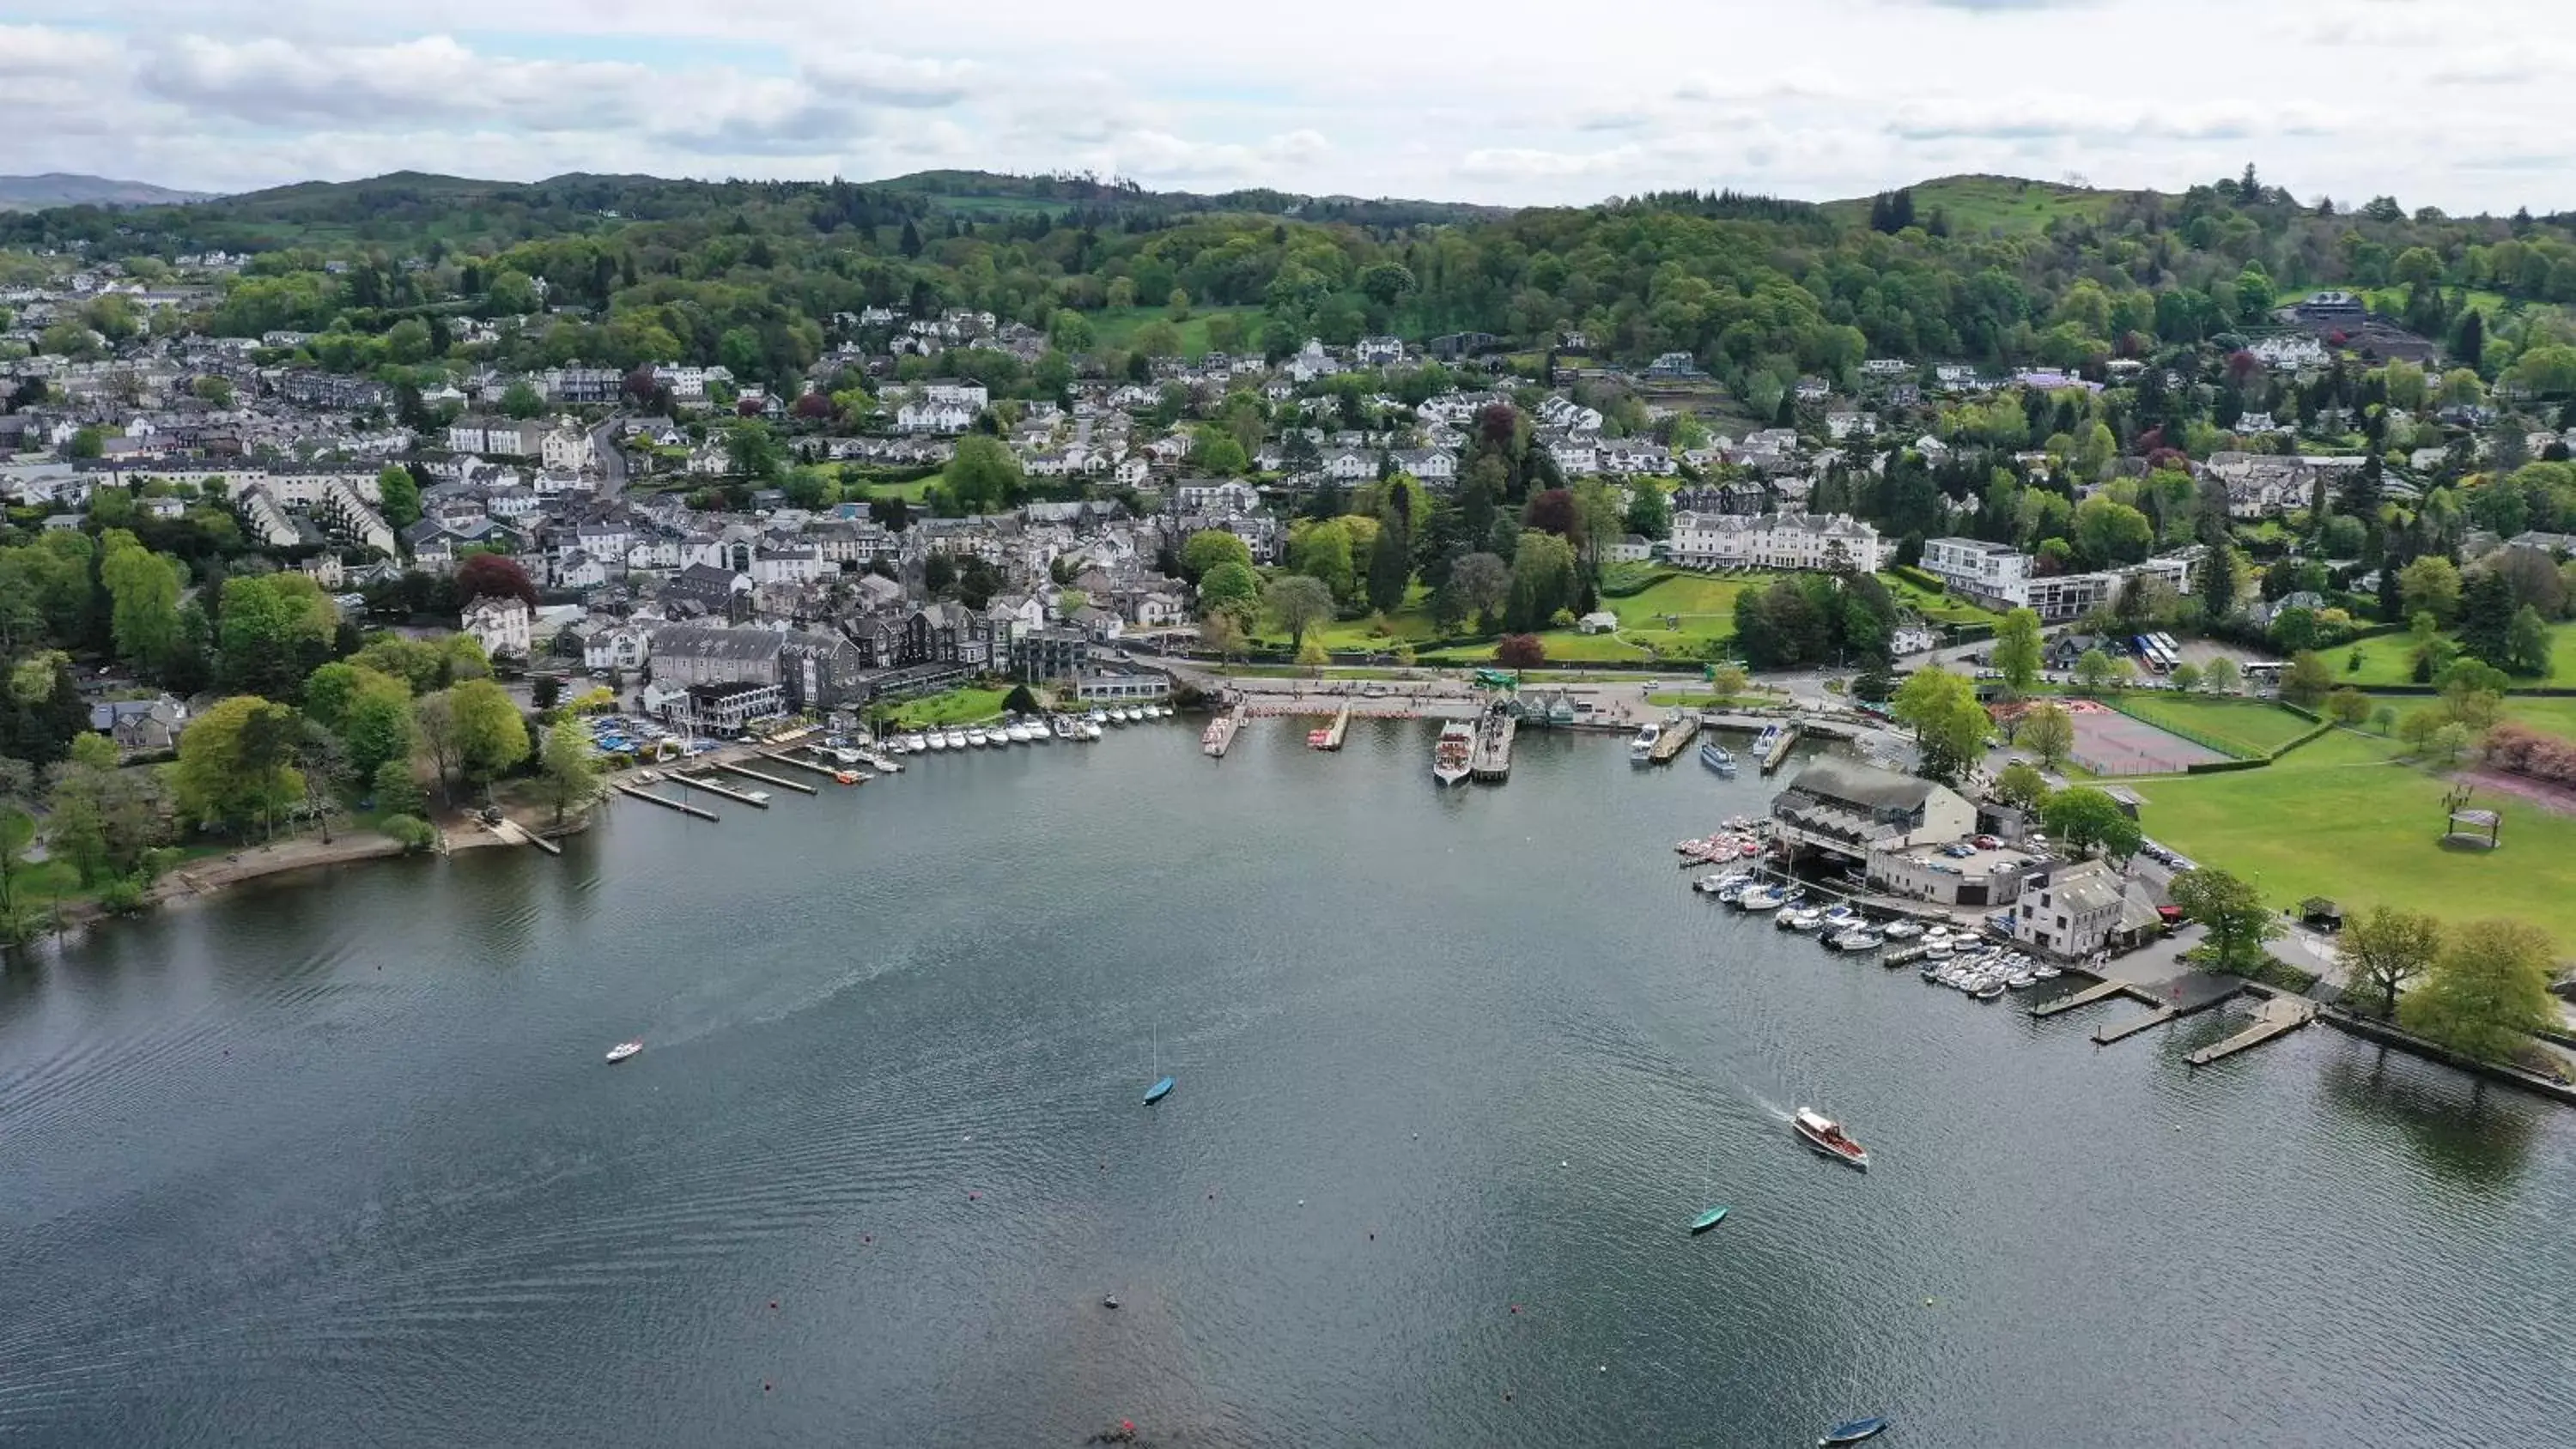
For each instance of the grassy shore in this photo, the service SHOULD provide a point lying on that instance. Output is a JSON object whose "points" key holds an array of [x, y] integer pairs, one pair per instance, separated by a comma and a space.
{"points": [[2390, 659], [955, 706], [2343, 818]]}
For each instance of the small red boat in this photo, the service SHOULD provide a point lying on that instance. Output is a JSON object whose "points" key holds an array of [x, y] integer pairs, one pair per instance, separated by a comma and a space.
{"points": [[1827, 1136]]}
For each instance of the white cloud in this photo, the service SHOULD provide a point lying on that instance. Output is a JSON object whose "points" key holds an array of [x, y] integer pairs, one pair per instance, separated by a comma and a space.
{"points": [[1828, 98]]}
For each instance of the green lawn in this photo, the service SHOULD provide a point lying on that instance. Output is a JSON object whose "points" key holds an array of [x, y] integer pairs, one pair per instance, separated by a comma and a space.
{"points": [[956, 706], [1116, 326], [2246, 728], [2557, 716], [2390, 659], [1936, 606], [2339, 818]]}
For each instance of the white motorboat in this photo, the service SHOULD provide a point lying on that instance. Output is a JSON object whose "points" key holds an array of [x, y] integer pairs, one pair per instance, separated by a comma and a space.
{"points": [[1902, 931], [1768, 898], [956, 738], [935, 740], [1828, 1137], [846, 756], [975, 738], [1063, 728], [1641, 750], [1857, 941], [1098, 716], [623, 1050], [1019, 733], [1090, 729], [756, 797], [915, 743]]}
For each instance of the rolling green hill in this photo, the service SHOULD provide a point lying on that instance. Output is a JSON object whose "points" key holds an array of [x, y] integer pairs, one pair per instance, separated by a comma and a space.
{"points": [[1979, 204]]}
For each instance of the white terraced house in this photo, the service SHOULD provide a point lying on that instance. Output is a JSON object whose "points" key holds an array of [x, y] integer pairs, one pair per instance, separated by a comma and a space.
{"points": [[1775, 541]]}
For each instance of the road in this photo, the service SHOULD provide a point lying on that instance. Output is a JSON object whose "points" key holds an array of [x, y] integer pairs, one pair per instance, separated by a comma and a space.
{"points": [[611, 461]]}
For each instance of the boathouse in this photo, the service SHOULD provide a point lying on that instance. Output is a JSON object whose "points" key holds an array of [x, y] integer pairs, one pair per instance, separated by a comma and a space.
{"points": [[1845, 808]]}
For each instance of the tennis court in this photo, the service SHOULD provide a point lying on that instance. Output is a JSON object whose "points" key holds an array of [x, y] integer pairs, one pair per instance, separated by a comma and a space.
{"points": [[2108, 742]]}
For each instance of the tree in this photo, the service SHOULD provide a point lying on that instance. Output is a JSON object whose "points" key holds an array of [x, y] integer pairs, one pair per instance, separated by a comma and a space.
{"points": [[1221, 631], [2094, 672], [394, 789], [1210, 547], [2221, 676], [2381, 950], [1949, 725], [1229, 588], [490, 735], [2234, 912], [2307, 680], [275, 629], [2111, 532], [491, 576], [2017, 651], [984, 476], [1543, 581], [235, 766], [1482, 584], [1312, 654], [2527, 643], [1298, 602], [2048, 732], [398, 495], [2221, 575], [752, 451], [2486, 992], [1650, 513], [2186, 676], [1322, 551], [17, 832], [1390, 565], [1520, 651], [2022, 785], [521, 401], [2431, 585], [567, 771], [2348, 707], [2086, 818], [143, 600]]}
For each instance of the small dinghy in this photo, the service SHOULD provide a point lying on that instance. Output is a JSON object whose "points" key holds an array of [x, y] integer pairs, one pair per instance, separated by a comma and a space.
{"points": [[1158, 1091], [1852, 1431], [623, 1050], [1707, 1220]]}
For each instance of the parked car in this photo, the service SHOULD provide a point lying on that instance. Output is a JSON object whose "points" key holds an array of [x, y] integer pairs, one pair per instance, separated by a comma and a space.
{"points": [[1987, 842]]}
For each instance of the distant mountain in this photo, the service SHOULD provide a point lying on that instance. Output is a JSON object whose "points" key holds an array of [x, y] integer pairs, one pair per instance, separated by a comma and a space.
{"points": [[56, 188]]}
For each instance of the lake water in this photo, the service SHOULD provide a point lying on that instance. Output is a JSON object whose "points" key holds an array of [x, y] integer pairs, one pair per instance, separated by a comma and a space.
{"points": [[336, 1162]]}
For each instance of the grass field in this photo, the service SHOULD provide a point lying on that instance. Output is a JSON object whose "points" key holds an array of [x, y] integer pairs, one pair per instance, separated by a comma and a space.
{"points": [[1117, 326], [1976, 205], [2339, 818], [2390, 659], [1936, 607], [956, 706], [2249, 729]]}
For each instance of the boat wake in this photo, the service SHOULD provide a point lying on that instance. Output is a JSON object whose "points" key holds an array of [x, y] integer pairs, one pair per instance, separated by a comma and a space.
{"points": [[1775, 1109]]}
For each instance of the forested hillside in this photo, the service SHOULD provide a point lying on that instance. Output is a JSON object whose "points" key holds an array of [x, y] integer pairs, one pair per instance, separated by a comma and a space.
{"points": [[628, 270]]}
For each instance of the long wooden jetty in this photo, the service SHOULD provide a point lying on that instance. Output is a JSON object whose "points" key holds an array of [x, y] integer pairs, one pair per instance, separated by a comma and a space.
{"points": [[788, 759], [516, 834], [749, 773], [2104, 1036], [1781, 745], [1675, 738], [665, 801], [2279, 1017], [1218, 737], [1330, 736], [694, 782], [1491, 762], [2098, 991]]}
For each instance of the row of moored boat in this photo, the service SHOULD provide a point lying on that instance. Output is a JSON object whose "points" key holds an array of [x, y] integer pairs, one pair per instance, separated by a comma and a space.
{"points": [[1957, 959], [1031, 731]]}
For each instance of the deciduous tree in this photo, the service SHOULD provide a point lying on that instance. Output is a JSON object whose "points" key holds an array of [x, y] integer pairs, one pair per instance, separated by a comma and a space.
{"points": [[567, 770], [236, 764], [2486, 992], [2087, 818], [490, 735], [1298, 602], [2238, 921], [1949, 724], [2017, 650], [2048, 731], [2382, 949]]}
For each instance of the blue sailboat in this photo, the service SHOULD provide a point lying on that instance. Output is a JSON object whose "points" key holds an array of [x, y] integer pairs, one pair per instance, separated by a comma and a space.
{"points": [[1852, 1431], [1707, 1220], [1158, 1091]]}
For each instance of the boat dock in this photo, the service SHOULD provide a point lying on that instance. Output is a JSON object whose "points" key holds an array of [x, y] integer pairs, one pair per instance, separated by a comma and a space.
{"points": [[1330, 736], [516, 834], [1676, 737], [2279, 1017], [1491, 763], [783, 758], [751, 774], [1218, 737], [2189, 994], [2104, 1036], [2098, 991], [1780, 746], [684, 807], [693, 782]]}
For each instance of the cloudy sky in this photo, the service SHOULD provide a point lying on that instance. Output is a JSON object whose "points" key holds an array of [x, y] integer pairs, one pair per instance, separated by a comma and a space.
{"points": [[2437, 101]]}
